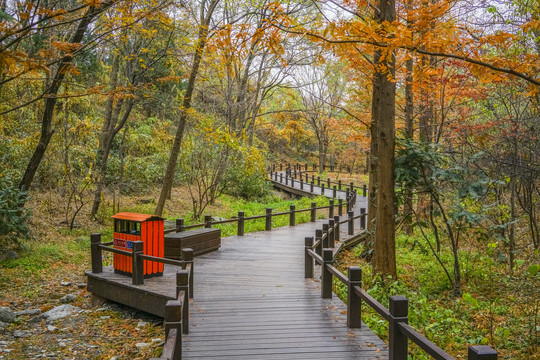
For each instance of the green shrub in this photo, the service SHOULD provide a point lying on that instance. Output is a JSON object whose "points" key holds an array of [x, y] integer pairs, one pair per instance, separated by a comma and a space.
{"points": [[13, 216]]}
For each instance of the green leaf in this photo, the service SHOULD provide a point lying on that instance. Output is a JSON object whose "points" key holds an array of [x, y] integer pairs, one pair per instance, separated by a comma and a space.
{"points": [[533, 269]]}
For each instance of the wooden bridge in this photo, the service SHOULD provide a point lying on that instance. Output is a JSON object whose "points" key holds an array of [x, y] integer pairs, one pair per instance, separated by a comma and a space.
{"points": [[259, 296]]}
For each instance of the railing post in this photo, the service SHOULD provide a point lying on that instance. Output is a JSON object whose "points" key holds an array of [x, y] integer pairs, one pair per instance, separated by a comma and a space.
{"points": [[280, 167], [208, 221], [337, 235], [95, 250], [331, 208], [180, 225], [308, 260], [313, 210], [334, 191], [292, 215], [325, 232], [364, 190], [314, 166], [173, 320], [182, 284], [322, 189], [311, 187], [318, 237], [301, 183], [326, 276], [348, 202], [339, 184], [354, 302], [397, 341], [287, 179], [268, 225], [362, 218], [306, 166], [318, 181], [481, 352], [137, 272], [331, 233], [328, 182], [340, 207], [307, 177], [352, 186], [240, 231], [187, 255], [350, 223]]}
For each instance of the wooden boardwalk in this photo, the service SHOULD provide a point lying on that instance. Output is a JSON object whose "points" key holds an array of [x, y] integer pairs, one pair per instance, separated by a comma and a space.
{"points": [[252, 302]]}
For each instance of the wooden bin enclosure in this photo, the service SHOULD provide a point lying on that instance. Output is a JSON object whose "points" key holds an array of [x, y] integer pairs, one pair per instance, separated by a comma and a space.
{"points": [[200, 240], [130, 227]]}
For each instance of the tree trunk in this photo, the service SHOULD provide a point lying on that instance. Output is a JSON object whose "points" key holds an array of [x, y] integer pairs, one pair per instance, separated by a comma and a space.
{"points": [[175, 150], [384, 257], [47, 120], [409, 131]]}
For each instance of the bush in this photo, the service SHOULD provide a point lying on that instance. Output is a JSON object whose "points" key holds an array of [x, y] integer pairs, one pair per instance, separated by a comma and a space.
{"points": [[13, 216]]}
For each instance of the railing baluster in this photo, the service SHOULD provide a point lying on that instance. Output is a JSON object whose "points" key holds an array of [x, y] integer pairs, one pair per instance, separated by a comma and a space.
{"points": [[354, 302], [187, 255], [137, 271], [180, 225], [340, 207], [325, 232], [313, 210], [331, 208], [173, 320], [318, 238], [322, 189], [351, 223], [337, 235], [208, 221], [241, 221], [397, 341], [481, 352], [334, 191], [268, 225], [182, 284], [308, 260], [331, 233], [362, 218], [364, 190], [292, 215], [95, 250], [326, 276]]}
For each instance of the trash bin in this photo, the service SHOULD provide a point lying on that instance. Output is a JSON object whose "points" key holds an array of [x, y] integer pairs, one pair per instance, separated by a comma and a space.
{"points": [[129, 227]]}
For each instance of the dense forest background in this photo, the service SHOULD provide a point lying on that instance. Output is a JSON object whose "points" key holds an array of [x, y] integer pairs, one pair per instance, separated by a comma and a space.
{"points": [[437, 102]]}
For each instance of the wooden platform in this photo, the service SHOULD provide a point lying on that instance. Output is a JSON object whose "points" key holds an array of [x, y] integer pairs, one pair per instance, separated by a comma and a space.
{"points": [[150, 297]]}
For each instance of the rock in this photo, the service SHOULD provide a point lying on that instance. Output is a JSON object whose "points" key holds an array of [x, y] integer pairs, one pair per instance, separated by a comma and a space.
{"points": [[217, 218], [2, 328], [157, 340], [68, 298], [65, 283], [28, 312], [7, 315], [81, 285], [142, 345], [9, 255], [20, 334], [114, 358], [51, 328], [141, 324], [62, 344], [59, 312]]}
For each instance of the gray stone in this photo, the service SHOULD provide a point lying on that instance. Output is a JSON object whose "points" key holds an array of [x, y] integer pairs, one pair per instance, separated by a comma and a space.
{"points": [[51, 328], [68, 298], [141, 324], [142, 345], [28, 312], [59, 312], [65, 283], [20, 334], [81, 285], [9, 255], [2, 327], [7, 315]]}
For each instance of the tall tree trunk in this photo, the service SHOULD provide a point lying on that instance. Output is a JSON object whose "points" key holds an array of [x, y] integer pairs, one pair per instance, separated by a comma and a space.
{"points": [[409, 129], [47, 119], [384, 255], [186, 104]]}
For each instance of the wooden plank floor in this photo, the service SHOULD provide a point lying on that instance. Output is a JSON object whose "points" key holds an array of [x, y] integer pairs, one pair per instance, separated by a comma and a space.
{"points": [[252, 302]]}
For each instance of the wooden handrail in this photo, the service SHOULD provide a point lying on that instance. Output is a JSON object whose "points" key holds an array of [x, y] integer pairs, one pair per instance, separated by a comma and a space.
{"points": [[399, 331]]}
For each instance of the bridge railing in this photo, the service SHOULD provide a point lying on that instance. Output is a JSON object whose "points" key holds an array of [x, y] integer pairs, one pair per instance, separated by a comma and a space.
{"points": [[334, 207], [314, 167], [176, 311], [319, 250], [309, 181]]}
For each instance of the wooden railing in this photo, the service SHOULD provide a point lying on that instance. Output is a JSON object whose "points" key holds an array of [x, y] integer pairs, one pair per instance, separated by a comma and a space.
{"points": [[332, 207], [318, 250], [339, 168], [309, 181], [176, 311]]}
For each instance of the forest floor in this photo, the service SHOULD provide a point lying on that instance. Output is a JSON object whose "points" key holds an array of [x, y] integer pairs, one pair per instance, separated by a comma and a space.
{"points": [[497, 308]]}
